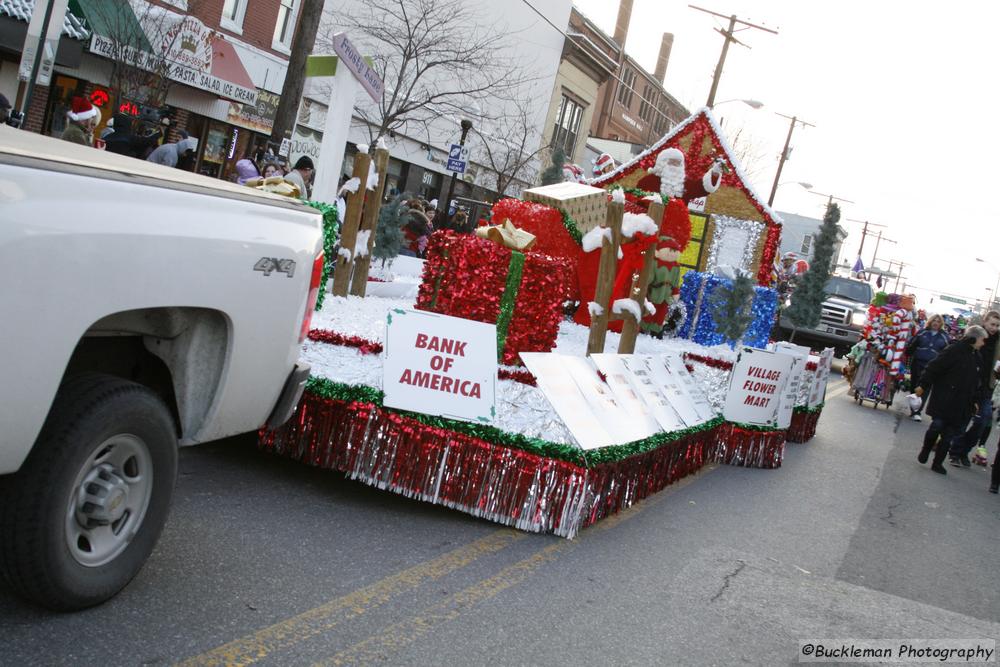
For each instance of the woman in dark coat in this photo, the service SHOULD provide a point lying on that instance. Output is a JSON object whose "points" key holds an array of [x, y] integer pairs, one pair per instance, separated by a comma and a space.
{"points": [[925, 346], [953, 378]]}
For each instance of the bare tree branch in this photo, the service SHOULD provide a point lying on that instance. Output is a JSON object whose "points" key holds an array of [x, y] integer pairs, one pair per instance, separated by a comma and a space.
{"points": [[434, 56]]}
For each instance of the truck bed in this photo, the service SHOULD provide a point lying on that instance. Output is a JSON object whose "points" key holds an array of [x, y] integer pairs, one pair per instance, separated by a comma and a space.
{"points": [[32, 150]]}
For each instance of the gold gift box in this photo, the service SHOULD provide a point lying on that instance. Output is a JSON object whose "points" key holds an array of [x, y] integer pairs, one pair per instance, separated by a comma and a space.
{"points": [[586, 205]]}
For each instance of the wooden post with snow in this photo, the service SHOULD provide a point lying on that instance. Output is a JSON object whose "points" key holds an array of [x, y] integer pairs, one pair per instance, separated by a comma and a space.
{"points": [[349, 227], [640, 286], [369, 221], [600, 312]]}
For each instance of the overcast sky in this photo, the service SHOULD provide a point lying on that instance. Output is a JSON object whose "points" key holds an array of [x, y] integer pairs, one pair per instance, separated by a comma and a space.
{"points": [[896, 91]]}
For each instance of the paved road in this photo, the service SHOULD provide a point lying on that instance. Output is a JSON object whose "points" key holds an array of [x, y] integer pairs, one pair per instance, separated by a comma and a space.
{"points": [[268, 562]]}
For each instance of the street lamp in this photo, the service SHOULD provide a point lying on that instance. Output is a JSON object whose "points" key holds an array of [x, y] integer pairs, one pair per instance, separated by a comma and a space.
{"points": [[803, 184], [753, 104], [466, 126], [993, 296]]}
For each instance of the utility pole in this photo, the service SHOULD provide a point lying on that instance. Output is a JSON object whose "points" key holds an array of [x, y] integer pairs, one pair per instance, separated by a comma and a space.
{"points": [[728, 36], [310, 12], [899, 274], [878, 241], [784, 154], [864, 232]]}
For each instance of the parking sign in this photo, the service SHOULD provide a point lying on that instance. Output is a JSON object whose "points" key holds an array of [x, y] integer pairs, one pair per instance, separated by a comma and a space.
{"points": [[455, 161]]}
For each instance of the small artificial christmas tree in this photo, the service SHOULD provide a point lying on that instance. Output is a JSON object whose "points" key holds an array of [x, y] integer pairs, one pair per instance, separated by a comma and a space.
{"points": [[731, 308], [389, 230], [807, 300], [554, 173]]}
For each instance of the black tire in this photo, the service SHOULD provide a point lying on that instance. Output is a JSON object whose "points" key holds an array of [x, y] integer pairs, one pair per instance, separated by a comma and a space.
{"points": [[93, 419]]}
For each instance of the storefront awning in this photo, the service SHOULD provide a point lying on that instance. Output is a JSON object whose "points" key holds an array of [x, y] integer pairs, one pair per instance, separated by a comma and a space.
{"points": [[197, 55], [114, 20]]}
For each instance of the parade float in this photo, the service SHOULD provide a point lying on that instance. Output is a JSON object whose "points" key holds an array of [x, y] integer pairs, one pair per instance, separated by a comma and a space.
{"points": [[480, 394]]}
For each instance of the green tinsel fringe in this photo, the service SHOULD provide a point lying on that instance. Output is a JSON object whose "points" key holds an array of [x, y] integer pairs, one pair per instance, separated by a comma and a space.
{"points": [[641, 194], [331, 226], [515, 270], [571, 227], [619, 452], [804, 409]]}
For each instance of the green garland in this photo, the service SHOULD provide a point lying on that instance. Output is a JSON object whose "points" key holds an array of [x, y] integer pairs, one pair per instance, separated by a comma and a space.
{"points": [[614, 453], [515, 270], [571, 227], [756, 427], [805, 409], [331, 226], [641, 194]]}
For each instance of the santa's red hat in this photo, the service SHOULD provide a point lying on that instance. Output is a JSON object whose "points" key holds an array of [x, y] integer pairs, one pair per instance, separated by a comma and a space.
{"points": [[603, 162], [81, 109]]}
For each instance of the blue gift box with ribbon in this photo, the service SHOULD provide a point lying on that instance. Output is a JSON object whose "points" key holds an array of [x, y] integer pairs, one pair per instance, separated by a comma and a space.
{"points": [[696, 293]]}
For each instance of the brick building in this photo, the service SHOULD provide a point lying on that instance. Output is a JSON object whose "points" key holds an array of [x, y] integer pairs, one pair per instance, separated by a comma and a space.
{"points": [[227, 66]]}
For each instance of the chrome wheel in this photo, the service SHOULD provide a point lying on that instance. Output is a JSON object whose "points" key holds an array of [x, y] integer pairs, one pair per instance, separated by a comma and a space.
{"points": [[109, 500]]}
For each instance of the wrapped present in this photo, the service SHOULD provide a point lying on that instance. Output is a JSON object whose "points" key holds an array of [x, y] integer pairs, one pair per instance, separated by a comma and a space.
{"points": [[585, 205], [477, 279], [696, 293]]}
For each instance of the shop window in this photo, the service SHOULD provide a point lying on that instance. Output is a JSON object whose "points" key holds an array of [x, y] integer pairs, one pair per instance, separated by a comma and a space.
{"points": [[645, 106], [567, 127], [233, 12], [690, 259], [625, 87], [806, 245], [285, 26]]}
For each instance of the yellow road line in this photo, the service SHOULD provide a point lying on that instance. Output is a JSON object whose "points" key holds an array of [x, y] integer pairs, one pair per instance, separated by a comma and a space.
{"points": [[290, 632], [259, 645], [398, 635]]}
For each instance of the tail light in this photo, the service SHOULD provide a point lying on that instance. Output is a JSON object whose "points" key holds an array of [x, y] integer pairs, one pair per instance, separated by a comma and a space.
{"points": [[314, 287]]}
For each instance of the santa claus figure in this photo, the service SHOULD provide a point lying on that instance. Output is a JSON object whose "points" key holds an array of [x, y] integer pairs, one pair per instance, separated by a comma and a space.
{"points": [[675, 228]]}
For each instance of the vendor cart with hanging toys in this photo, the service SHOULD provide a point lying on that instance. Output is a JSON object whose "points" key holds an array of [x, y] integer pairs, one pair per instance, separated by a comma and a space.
{"points": [[889, 326]]}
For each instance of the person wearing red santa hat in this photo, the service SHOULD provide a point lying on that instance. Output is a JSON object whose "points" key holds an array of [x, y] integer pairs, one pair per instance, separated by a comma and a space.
{"points": [[603, 164], [82, 121]]}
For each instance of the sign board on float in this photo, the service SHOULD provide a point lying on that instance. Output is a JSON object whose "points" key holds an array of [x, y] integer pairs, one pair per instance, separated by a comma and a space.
{"points": [[440, 365], [755, 387]]}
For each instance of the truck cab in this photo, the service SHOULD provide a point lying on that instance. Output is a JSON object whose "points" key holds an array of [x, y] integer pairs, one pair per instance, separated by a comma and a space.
{"points": [[842, 318]]}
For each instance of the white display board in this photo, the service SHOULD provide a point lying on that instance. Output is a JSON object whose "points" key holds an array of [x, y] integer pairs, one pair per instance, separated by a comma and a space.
{"points": [[628, 391], [672, 387], [817, 393], [440, 365], [695, 392], [656, 401], [798, 375], [756, 385], [556, 381]]}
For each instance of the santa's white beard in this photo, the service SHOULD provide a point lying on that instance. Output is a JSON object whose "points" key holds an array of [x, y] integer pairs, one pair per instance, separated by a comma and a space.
{"points": [[672, 181]]}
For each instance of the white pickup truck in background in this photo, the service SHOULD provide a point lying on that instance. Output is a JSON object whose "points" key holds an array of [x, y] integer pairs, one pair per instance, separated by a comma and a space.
{"points": [[140, 307]]}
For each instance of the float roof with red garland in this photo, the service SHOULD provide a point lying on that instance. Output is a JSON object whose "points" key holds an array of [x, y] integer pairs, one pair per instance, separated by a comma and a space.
{"points": [[701, 140]]}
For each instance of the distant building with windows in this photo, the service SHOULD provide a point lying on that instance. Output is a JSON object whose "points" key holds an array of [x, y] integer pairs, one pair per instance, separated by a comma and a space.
{"points": [[602, 97], [798, 235]]}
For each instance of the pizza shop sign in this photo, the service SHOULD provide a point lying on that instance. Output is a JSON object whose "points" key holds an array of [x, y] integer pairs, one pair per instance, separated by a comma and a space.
{"points": [[184, 55]]}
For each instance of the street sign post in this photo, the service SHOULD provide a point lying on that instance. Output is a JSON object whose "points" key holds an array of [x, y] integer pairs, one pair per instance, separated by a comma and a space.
{"points": [[455, 161]]}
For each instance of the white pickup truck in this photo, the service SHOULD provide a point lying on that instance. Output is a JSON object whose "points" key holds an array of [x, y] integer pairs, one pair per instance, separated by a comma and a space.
{"points": [[141, 307]]}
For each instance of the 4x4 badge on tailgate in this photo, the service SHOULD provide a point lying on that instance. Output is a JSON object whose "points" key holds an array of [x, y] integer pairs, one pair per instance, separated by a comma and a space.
{"points": [[270, 264]]}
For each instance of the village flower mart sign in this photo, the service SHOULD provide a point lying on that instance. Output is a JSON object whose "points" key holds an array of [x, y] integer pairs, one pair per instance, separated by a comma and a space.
{"points": [[185, 53]]}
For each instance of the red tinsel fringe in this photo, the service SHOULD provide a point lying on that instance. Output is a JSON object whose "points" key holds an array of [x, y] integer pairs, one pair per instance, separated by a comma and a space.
{"points": [[522, 376], [333, 338], [749, 448], [708, 361], [499, 483], [803, 427]]}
